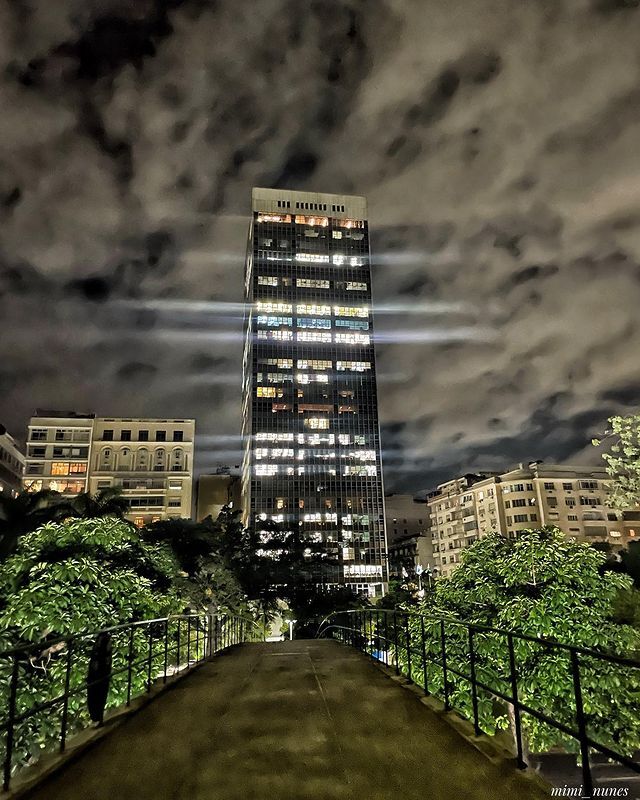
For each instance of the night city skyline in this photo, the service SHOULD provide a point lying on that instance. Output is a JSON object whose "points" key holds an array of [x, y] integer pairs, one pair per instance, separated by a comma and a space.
{"points": [[497, 152]]}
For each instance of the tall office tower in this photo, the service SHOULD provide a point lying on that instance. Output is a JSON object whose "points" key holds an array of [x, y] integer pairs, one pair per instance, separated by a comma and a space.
{"points": [[310, 410]]}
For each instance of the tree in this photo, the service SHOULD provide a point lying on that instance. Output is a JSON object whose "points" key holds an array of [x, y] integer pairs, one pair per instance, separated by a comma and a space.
{"points": [[26, 512], [543, 585], [76, 578], [623, 462], [107, 502], [627, 561]]}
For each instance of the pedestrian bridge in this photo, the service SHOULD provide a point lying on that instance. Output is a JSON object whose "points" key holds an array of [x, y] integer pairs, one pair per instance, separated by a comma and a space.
{"points": [[298, 720]]}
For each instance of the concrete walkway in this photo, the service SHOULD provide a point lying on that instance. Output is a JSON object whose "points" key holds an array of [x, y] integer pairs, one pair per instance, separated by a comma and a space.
{"points": [[300, 720]]}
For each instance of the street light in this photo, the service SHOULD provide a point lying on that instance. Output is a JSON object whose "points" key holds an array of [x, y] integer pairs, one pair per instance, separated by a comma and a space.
{"points": [[291, 623]]}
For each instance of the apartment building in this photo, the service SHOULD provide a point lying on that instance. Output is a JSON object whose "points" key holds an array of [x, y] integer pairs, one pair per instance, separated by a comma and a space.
{"points": [[532, 495], [11, 464], [149, 460]]}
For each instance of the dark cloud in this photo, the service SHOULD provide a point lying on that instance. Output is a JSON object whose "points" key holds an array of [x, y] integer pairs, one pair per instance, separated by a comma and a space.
{"points": [[503, 193]]}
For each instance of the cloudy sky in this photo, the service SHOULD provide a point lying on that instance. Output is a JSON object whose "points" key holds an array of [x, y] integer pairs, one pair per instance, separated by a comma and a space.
{"points": [[498, 144]]}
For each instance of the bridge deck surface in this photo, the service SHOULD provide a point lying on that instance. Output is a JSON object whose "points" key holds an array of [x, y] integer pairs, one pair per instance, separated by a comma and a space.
{"points": [[297, 720]]}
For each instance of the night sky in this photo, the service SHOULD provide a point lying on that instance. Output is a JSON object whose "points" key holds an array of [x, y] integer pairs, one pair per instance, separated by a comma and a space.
{"points": [[498, 144]]}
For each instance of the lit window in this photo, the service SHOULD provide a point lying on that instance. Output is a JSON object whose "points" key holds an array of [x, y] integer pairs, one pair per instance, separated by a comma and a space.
{"points": [[266, 469], [337, 234], [312, 258], [59, 468], [305, 308], [313, 363], [352, 338], [279, 377], [282, 336], [304, 377], [309, 283], [312, 322], [77, 468], [316, 423], [322, 221], [366, 470], [274, 308], [269, 391], [351, 311], [273, 322], [344, 438], [314, 336], [274, 218], [353, 324], [267, 280], [353, 366], [274, 437], [356, 286]]}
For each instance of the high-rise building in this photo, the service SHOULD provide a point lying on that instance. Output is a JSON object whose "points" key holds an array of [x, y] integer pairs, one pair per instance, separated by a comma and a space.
{"points": [[310, 411], [533, 495], [11, 464], [408, 534], [149, 460]]}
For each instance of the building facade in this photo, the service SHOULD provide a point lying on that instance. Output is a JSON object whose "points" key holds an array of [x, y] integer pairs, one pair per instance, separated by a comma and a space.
{"points": [[408, 534], [310, 415], [533, 495], [149, 460], [11, 464], [215, 491]]}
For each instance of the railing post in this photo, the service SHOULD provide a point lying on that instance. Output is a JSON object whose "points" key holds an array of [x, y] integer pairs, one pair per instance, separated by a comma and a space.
{"points": [[425, 681], [587, 781], [407, 633], [386, 638], [130, 665], [188, 641], [395, 640], [149, 657], [65, 706], [474, 688], [178, 647], [13, 691], [166, 649], [443, 647], [516, 703]]}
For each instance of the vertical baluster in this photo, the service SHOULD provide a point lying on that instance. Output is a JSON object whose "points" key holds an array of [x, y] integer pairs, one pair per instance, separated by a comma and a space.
{"points": [[407, 632], [474, 688], [425, 681], [13, 692], [516, 702], [587, 781], [445, 676], [129, 664]]}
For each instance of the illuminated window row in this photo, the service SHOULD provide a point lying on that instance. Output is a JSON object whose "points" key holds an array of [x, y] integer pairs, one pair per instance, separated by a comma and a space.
{"points": [[274, 307], [311, 283], [305, 308], [313, 439], [282, 363], [313, 377], [351, 311], [312, 322], [353, 366], [277, 377], [269, 391], [313, 363], [274, 322], [316, 336], [368, 471], [353, 324]]}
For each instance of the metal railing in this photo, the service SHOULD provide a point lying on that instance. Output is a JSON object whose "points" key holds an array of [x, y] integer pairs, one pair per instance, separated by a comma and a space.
{"points": [[58, 687], [443, 655]]}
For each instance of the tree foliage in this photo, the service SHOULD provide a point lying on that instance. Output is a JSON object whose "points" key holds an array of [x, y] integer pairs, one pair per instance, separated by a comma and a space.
{"points": [[623, 461], [542, 585]]}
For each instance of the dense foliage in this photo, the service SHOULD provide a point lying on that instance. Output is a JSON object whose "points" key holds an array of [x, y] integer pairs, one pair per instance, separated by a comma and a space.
{"points": [[543, 585], [623, 461]]}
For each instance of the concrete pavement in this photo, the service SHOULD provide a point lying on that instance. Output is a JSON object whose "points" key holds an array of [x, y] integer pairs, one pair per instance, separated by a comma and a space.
{"points": [[302, 720]]}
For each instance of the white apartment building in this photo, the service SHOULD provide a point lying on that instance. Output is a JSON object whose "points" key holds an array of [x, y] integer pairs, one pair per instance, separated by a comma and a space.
{"points": [[149, 460], [571, 497]]}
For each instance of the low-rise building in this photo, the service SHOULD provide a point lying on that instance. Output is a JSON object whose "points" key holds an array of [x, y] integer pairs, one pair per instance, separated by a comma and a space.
{"points": [[408, 535], [215, 491], [11, 464], [149, 460]]}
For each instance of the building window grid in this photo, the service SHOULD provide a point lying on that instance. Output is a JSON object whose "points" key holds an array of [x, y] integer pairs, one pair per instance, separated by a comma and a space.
{"points": [[363, 490]]}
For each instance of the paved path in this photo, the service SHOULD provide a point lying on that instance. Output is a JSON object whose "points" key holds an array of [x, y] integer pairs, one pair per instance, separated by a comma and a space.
{"points": [[300, 720]]}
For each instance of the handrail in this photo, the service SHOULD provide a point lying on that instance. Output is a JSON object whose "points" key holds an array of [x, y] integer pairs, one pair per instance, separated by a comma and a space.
{"points": [[185, 639], [503, 631], [367, 629]]}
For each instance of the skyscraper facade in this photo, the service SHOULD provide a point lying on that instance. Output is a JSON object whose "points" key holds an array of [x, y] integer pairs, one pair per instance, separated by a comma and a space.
{"points": [[310, 410]]}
